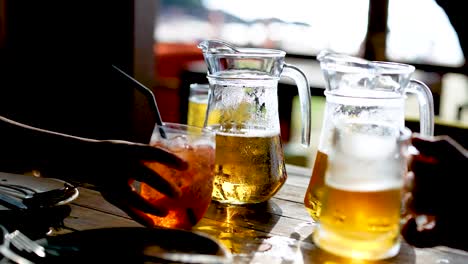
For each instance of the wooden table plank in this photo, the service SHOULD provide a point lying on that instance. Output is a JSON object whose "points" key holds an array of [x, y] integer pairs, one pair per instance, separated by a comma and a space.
{"points": [[93, 199], [278, 231], [82, 218]]}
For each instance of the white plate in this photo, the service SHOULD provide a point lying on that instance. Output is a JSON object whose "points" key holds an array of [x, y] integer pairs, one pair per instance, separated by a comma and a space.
{"points": [[36, 184]]}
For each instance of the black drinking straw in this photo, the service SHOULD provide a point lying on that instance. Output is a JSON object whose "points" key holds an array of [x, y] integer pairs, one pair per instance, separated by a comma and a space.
{"points": [[149, 95]]}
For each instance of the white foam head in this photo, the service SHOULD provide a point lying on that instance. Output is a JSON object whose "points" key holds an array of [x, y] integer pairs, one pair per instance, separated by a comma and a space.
{"points": [[365, 157]]}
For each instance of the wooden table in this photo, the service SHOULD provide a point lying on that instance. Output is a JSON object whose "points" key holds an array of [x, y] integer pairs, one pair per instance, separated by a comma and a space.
{"points": [[278, 231]]}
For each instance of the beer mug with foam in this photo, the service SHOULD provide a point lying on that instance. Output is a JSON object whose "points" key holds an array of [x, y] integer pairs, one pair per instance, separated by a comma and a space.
{"points": [[243, 110], [362, 200], [369, 91]]}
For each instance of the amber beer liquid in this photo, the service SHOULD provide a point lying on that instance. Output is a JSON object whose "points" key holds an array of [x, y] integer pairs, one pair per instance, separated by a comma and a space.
{"points": [[362, 195], [249, 167], [360, 223], [197, 110], [316, 188]]}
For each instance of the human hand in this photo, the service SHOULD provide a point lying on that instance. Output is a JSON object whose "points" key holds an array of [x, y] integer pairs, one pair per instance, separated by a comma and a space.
{"points": [[110, 165], [113, 166], [436, 194]]}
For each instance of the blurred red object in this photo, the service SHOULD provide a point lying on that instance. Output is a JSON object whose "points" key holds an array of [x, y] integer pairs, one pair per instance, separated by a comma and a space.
{"points": [[170, 61]]}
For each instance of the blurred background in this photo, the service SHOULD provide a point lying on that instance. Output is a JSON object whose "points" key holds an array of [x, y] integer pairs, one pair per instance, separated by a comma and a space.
{"points": [[417, 32], [53, 55]]}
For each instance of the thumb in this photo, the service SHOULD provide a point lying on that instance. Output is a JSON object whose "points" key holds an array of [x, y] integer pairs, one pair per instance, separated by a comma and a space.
{"points": [[420, 238]]}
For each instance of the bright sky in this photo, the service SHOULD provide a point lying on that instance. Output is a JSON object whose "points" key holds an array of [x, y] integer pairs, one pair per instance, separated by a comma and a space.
{"points": [[419, 26], [306, 11]]}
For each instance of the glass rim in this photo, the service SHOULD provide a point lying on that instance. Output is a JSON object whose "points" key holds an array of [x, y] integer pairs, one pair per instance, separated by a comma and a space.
{"points": [[199, 86], [173, 127], [350, 64], [248, 53], [265, 77], [251, 52], [217, 47]]}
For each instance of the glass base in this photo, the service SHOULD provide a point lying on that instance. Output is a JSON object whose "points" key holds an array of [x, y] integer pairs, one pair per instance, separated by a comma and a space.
{"points": [[355, 248], [239, 202]]}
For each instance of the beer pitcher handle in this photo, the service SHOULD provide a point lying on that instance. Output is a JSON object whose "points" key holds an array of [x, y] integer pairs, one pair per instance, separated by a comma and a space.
{"points": [[298, 76], [426, 106]]}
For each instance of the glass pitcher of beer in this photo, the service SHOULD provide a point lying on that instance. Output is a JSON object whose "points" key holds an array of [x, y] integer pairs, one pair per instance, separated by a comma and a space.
{"points": [[361, 205], [243, 110], [367, 91]]}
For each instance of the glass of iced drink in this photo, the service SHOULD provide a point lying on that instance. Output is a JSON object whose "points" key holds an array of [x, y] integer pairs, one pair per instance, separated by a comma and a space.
{"points": [[195, 145], [361, 205]]}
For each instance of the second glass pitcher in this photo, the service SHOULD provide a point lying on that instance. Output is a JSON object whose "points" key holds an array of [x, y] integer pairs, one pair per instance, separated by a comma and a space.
{"points": [[372, 92], [243, 110]]}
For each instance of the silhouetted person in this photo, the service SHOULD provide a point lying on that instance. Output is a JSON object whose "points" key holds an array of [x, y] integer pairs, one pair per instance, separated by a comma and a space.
{"points": [[437, 189]]}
